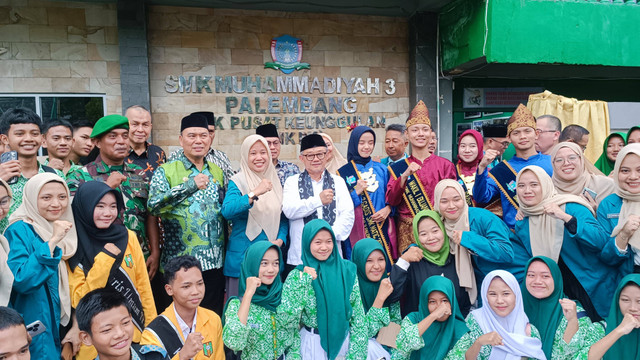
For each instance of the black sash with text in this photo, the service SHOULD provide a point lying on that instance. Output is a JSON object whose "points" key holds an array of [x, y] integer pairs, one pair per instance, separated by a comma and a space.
{"points": [[505, 177], [414, 194], [120, 281], [168, 335]]}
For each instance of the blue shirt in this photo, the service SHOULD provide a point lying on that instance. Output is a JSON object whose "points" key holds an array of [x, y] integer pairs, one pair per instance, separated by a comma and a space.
{"points": [[486, 189], [608, 213], [388, 162]]}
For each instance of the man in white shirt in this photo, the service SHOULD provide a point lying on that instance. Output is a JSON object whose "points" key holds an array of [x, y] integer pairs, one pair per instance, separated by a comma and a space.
{"points": [[315, 194]]}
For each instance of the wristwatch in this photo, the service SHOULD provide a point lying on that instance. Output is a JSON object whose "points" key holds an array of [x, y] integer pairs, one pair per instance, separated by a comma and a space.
{"points": [[252, 196]]}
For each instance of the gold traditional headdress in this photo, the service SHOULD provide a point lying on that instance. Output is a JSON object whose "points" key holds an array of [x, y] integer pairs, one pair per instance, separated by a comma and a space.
{"points": [[419, 115], [522, 117]]}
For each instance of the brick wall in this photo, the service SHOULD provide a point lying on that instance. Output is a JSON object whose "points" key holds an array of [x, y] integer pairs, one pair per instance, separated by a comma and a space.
{"points": [[60, 47], [199, 41]]}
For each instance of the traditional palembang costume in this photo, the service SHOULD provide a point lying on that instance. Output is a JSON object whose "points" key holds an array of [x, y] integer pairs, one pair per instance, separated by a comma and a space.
{"points": [[453, 263], [577, 245], [547, 316], [517, 344], [417, 193], [377, 318], [372, 198], [485, 238], [602, 185], [502, 178], [440, 337], [329, 307]]}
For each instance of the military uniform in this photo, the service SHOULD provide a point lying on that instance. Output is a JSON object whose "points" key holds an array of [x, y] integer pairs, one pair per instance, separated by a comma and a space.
{"points": [[134, 190]]}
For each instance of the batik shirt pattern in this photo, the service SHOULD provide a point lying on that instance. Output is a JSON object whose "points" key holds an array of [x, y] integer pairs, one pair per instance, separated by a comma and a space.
{"points": [[286, 169], [152, 157], [192, 220]]}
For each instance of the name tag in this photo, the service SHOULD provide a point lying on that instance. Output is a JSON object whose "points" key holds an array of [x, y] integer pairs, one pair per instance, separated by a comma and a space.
{"points": [[254, 326], [613, 216]]}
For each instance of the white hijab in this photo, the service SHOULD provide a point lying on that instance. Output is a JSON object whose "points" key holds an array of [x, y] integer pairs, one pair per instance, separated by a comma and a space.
{"points": [[630, 202], [265, 212], [28, 212], [546, 232], [511, 328]]}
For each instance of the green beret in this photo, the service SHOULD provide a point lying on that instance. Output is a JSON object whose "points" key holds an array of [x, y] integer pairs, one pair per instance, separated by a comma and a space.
{"points": [[108, 123]]}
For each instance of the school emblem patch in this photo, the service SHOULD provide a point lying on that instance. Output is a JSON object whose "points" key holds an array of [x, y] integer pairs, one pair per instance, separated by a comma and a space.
{"points": [[128, 260], [286, 52], [207, 348]]}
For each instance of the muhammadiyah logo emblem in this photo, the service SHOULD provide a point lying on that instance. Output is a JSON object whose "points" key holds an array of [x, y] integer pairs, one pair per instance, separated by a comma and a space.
{"points": [[286, 52], [128, 260], [207, 348]]}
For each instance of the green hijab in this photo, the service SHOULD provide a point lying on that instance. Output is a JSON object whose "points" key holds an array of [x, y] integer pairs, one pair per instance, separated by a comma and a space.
{"points": [[440, 337], [545, 314], [267, 296], [628, 346], [603, 163], [359, 255], [440, 257], [333, 286]]}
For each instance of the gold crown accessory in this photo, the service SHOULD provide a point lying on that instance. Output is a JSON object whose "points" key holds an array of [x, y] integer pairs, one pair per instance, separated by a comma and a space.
{"points": [[522, 117], [419, 115]]}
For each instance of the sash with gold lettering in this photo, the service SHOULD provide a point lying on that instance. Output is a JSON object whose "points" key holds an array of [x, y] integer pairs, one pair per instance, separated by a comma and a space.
{"points": [[505, 177], [414, 194], [372, 229]]}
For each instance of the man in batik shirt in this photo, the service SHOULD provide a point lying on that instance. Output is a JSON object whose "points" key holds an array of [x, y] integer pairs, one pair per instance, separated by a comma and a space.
{"points": [[142, 152], [111, 136], [185, 193]]}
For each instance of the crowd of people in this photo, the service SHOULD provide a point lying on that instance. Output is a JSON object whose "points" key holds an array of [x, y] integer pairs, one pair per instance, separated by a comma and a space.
{"points": [[112, 250]]}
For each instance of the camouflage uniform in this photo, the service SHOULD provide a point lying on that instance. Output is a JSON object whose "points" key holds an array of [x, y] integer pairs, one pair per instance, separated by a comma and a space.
{"points": [[134, 190]]}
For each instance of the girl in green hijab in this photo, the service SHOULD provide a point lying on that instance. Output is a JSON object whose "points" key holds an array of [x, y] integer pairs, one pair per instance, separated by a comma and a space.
{"points": [[565, 330], [430, 255], [610, 149], [323, 295], [434, 329], [251, 323], [370, 259], [623, 324]]}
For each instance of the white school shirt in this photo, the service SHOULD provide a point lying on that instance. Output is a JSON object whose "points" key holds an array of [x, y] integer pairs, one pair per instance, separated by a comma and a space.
{"points": [[296, 209]]}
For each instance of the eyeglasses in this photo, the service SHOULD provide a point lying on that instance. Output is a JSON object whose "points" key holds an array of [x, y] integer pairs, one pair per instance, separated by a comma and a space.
{"points": [[5, 202], [310, 157], [572, 159]]}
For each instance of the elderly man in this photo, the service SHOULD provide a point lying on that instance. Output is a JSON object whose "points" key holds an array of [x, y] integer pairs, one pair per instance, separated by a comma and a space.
{"points": [[495, 138], [395, 144], [315, 194], [186, 194], [142, 153], [284, 168], [111, 135], [548, 128]]}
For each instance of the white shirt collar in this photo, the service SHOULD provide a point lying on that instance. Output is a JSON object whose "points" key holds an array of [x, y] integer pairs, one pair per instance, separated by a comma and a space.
{"points": [[183, 325]]}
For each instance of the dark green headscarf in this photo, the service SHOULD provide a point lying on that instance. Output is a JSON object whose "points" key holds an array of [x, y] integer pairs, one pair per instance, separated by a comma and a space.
{"points": [[440, 257], [267, 296], [368, 289], [628, 346], [440, 337], [333, 286], [545, 314], [603, 163]]}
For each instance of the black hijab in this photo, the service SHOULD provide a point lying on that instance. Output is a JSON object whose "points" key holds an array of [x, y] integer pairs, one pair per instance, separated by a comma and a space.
{"points": [[91, 240]]}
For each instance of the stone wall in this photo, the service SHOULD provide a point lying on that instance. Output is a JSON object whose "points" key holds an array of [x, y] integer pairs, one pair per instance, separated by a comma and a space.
{"points": [[60, 47], [218, 42]]}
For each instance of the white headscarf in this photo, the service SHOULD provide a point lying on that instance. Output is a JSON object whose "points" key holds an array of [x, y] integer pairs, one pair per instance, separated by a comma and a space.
{"points": [[265, 212], [28, 212], [545, 231], [6, 276], [511, 328], [464, 267], [630, 202], [337, 161], [602, 185]]}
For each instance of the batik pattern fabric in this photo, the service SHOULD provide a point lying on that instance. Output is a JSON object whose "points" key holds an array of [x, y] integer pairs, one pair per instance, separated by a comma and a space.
{"points": [[588, 334], [152, 157], [466, 341], [191, 217], [134, 190], [72, 168], [17, 190], [286, 169], [377, 318], [299, 307], [266, 336], [217, 157]]}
